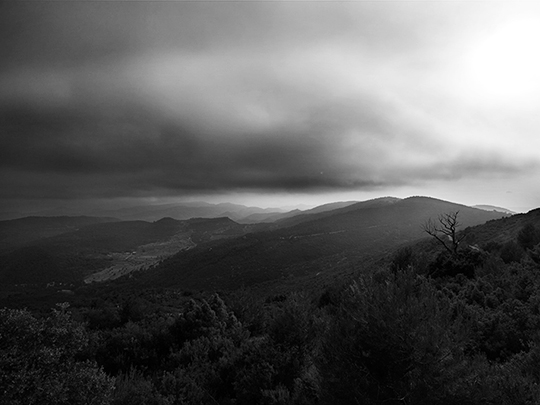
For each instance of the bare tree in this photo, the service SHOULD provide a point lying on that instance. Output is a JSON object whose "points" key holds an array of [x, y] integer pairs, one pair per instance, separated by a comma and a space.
{"points": [[445, 231]]}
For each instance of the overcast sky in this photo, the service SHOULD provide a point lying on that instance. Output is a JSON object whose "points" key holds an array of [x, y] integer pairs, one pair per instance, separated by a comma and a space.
{"points": [[269, 102]]}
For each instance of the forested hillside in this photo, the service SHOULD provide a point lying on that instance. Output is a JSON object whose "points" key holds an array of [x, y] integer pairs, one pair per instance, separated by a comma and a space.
{"points": [[19, 232], [427, 327], [71, 255]]}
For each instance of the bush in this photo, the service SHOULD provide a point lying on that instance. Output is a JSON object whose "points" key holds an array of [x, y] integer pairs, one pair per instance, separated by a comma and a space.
{"points": [[38, 362], [134, 389], [511, 252], [402, 259], [463, 262], [528, 236], [394, 340]]}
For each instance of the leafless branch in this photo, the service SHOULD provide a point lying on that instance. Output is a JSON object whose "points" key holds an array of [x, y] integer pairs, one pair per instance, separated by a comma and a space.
{"points": [[445, 230]]}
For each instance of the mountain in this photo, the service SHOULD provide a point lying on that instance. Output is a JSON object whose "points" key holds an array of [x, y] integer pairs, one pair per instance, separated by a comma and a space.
{"points": [[319, 242], [182, 211], [111, 249], [509, 239], [154, 212], [19, 232], [40, 265], [327, 210], [281, 216], [29, 264], [269, 216], [494, 208], [503, 230], [214, 253], [329, 207]]}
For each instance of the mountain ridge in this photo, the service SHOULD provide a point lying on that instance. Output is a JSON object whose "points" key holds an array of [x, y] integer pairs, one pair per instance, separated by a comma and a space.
{"points": [[347, 235], [220, 252]]}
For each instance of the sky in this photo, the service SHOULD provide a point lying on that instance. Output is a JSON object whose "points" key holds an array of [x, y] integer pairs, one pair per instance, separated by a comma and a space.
{"points": [[268, 103]]}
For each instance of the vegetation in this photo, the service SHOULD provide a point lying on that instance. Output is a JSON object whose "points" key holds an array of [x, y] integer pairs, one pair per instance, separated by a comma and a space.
{"points": [[39, 363], [423, 327], [445, 231]]}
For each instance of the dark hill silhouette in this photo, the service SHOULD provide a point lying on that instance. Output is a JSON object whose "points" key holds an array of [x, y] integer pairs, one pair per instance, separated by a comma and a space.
{"points": [[19, 232], [112, 237], [347, 235], [71, 256], [188, 210], [495, 236], [38, 265], [128, 235], [502, 230]]}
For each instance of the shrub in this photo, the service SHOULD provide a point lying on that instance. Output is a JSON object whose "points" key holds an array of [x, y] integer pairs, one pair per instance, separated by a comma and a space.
{"points": [[463, 262], [528, 236], [38, 362], [393, 341]]}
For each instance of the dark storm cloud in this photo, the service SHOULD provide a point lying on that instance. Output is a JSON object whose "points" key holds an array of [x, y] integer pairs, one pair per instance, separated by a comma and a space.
{"points": [[159, 98], [78, 151], [126, 155]]}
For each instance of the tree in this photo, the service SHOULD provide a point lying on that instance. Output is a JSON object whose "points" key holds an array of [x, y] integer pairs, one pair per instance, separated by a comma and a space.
{"points": [[528, 236], [444, 230], [39, 365], [393, 341]]}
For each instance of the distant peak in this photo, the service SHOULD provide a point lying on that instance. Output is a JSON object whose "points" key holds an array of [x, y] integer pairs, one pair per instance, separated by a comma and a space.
{"points": [[166, 220], [422, 197], [388, 199], [217, 219]]}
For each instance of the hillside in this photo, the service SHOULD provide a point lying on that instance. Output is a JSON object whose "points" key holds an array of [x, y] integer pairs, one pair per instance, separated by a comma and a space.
{"points": [[286, 218], [39, 265], [328, 210], [503, 230], [346, 236], [19, 232], [214, 253], [106, 251], [269, 216], [494, 208], [434, 338]]}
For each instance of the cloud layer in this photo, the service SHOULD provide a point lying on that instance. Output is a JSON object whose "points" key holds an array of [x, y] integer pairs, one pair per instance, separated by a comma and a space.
{"points": [[113, 99]]}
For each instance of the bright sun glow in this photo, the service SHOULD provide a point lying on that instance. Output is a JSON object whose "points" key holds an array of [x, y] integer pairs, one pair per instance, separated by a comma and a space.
{"points": [[504, 66]]}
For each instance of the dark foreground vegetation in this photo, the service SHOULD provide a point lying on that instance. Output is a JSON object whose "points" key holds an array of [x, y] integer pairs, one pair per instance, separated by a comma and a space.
{"points": [[461, 327]]}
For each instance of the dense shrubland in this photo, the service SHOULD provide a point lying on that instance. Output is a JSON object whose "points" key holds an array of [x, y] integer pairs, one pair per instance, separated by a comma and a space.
{"points": [[457, 328]]}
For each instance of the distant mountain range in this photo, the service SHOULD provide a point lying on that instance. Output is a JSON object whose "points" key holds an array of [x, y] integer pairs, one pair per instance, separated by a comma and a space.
{"points": [[154, 212], [219, 252], [70, 254], [189, 210], [19, 232], [310, 244]]}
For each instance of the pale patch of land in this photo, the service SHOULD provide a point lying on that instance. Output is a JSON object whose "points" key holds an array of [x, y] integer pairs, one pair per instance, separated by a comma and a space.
{"points": [[142, 258]]}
